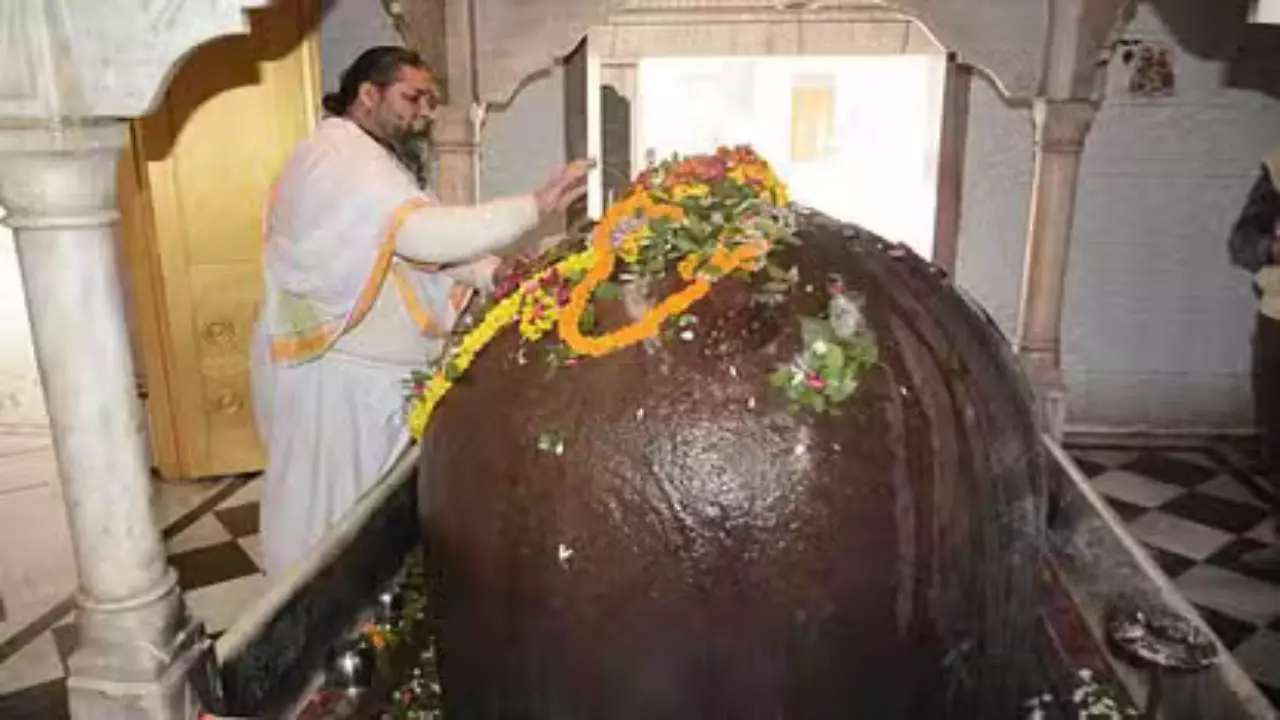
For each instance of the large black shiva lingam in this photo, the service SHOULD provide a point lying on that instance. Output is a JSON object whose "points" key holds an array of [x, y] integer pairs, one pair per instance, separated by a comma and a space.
{"points": [[813, 493]]}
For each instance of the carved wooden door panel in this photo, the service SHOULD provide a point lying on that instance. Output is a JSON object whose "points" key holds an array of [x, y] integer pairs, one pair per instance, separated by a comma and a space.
{"points": [[193, 188]]}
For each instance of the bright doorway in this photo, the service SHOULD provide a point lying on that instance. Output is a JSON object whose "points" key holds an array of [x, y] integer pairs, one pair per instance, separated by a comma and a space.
{"points": [[856, 137]]}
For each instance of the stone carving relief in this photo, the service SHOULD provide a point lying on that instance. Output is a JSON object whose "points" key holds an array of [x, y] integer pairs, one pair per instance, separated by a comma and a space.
{"points": [[1026, 47], [106, 58]]}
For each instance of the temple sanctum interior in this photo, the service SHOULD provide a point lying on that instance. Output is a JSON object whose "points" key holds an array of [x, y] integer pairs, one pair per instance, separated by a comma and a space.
{"points": [[903, 359]]}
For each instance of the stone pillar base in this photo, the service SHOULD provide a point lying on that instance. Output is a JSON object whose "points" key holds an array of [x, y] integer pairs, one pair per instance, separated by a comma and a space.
{"points": [[1051, 405], [137, 660], [1045, 375]]}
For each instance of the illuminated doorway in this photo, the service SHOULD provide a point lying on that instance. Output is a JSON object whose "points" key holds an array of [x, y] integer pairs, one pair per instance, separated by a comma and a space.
{"points": [[856, 137]]}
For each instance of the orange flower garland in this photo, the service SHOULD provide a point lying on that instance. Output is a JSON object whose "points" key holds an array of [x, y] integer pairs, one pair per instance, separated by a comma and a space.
{"points": [[686, 181], [651, 324], [665, 200]]}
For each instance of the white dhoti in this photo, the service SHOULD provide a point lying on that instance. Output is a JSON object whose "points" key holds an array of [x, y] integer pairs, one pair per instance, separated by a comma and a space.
{"points": [[337, 429], [348, 313]]}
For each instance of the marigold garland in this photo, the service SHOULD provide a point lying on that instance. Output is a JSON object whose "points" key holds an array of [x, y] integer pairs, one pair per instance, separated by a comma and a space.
{"points": [[729, 192], [426, 395], [649, 325]]}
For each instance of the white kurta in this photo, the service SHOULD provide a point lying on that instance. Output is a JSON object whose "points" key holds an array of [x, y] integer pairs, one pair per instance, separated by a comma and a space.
{"points": [[336, 337]]}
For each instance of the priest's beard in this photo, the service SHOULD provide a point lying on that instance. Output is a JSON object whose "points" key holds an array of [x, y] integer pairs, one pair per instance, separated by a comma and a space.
{"points": [[413, 149]]}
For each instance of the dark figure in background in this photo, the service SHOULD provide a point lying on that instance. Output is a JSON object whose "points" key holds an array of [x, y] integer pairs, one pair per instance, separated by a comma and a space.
{"points": [[1255, 246]]}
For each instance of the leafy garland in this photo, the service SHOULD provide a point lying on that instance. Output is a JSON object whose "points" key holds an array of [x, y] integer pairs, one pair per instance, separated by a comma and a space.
{"points": [[712, 216]]}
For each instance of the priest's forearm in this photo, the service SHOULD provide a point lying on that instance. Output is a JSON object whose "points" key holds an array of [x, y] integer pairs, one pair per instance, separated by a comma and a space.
{"points": [[451, 234], [477, 274]]}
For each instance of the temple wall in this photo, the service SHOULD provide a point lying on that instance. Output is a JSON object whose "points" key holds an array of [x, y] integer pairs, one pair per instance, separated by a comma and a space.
{"points": [[524, 142], [348, 28], [1157, 323]]}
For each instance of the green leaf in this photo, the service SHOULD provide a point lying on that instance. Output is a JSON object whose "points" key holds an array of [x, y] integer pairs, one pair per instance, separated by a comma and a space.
{"points": [[777, 273], [551, 441], [780, 378], [686, 244], [608, 290], [833, 361], [814, 329], [840, 391]]}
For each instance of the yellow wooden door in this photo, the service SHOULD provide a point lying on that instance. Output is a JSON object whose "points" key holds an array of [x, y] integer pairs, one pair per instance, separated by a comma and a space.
{"points": [[193, 187]]}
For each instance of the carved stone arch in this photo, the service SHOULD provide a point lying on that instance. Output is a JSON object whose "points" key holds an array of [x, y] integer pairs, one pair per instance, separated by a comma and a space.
{"points": [[107, 58], [507, 41], [1003, 39]]}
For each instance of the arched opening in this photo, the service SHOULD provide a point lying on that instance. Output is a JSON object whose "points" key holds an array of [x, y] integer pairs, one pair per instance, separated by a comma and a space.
{"points": [[850, 106]]}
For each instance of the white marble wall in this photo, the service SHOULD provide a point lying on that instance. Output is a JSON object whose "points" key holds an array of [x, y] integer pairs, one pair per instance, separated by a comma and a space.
{"points": [[347, 29], [995, 194], [1157, 323], [524, 142]]}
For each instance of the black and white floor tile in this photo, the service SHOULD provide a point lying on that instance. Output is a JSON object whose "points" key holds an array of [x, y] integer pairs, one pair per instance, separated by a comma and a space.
{"points": [[1197, 511], [216, 552]]}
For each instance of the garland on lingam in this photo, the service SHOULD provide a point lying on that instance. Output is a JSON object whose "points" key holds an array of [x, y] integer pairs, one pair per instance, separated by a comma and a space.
{"points": [[707, 217]]}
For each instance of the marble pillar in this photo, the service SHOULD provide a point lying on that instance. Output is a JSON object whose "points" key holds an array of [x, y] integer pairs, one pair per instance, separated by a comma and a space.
{"points": [[1060, 130], [136, 641]]}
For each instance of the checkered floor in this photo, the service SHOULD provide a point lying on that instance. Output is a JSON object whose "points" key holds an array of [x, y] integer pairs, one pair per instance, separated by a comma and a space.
{"points": [[216, 552], [1197, 512]]}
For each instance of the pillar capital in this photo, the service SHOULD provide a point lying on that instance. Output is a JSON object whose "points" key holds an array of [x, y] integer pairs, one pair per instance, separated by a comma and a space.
{"points": [[60, 175], [1062, 125]]}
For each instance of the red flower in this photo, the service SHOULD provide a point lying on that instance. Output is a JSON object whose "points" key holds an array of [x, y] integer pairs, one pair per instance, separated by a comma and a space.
{"points": [[815, 381]]}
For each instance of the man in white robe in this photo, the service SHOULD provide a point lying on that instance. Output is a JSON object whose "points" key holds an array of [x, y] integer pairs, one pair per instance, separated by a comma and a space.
{"points": [[365, 273]]}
